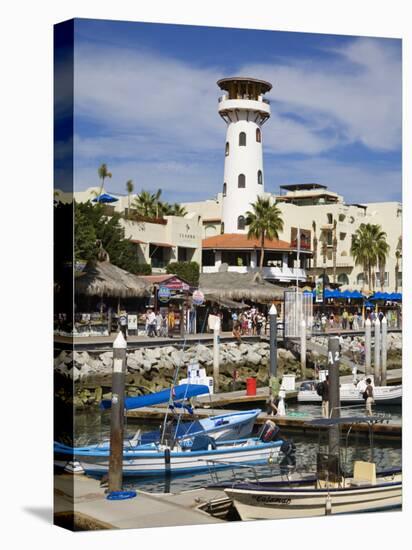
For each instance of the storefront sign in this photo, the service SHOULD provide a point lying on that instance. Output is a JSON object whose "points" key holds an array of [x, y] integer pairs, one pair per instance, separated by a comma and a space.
{"points": [[198, 297], [131, 321], [319, 290], [163, 294]]}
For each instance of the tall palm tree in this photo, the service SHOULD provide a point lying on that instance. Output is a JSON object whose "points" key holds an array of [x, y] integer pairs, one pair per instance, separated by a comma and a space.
{"points": [[334, 250], [103, 173], [370, 249], [129, 189], [178, 210], [264, 222], [398, 255], [315, 245]]}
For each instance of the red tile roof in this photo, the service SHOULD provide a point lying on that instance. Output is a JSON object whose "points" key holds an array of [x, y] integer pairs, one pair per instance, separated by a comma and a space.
{"points": [[240, 241]]}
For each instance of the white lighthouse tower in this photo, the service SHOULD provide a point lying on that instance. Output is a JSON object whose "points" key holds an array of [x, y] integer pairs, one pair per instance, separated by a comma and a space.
{"points": [[244, 110]]}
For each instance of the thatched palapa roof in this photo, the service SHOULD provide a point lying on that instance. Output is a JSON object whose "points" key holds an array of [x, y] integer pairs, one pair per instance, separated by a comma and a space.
{"points": [[106, 279], [239, 286]]}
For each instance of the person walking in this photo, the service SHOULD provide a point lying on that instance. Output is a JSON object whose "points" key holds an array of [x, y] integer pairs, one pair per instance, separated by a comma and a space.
{"points": [[344, 319], [350, 320], [325, 397], [151, 323], [368, 395]]}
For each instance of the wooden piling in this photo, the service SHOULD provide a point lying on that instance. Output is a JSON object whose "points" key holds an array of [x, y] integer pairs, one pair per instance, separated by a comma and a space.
{"points": [[384, 350], [303, 348], [368, 342], [334, 393], [117, 414], [377, 354], [216, 358]]}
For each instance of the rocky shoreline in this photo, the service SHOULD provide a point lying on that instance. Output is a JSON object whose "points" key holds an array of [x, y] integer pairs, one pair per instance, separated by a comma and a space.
{"points": [[152, 369]]}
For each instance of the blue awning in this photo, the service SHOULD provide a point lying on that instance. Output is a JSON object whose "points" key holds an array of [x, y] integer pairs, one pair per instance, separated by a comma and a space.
{"points": [[105, 198], [184, 391]]}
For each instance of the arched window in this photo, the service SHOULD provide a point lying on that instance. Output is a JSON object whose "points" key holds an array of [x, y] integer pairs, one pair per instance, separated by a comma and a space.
{"points": [[258, 135], [343, 279], [360, 279], [227, 149], [241, 181], [224, 189], [242, 139], [241, 222], [260, 179]]}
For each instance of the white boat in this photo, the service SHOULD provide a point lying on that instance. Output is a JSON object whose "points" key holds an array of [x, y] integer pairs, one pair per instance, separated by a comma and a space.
{"points": [[331, 493], [156, 459], [352, 395]]}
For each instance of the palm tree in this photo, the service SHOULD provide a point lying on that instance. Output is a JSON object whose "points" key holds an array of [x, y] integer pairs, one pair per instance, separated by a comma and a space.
{"points": [[370, 249], [315, 245], [103, 174], [264, 222], [398, 256], [334, 250], [147, 204], [178, 210], [129, 189]]}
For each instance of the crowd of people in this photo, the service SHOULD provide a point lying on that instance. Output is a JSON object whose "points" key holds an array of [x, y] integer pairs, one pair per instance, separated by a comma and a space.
{"points": [[348, 319], [252, 322]]}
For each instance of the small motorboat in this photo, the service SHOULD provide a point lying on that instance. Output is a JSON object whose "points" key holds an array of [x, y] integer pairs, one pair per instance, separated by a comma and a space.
{"points": [[352, 395], [202, 455], [330, 493]]}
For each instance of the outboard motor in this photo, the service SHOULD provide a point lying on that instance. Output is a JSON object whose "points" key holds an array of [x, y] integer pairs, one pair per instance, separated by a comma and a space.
{"points": [[288, 462], [269, 431]]}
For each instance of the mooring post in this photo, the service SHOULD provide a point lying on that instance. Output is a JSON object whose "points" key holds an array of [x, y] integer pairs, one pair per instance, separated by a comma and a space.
{"points": [[377, 362], [334, 394], [117, 414], [368, 343], [303, 348], [273, 339], [216, 358], [384, 351]]}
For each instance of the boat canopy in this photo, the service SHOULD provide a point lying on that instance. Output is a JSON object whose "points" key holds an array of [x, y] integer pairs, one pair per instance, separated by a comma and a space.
{"points": [[184, 391]]}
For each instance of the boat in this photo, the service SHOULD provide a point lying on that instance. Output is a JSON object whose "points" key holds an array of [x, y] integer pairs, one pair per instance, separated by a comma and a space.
{"points": [[331, 492], [352, 395], [223, 427], [203, 454]]}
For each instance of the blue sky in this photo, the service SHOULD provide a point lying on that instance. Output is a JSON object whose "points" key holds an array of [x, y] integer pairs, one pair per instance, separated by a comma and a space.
{"points": [[146, 104]]}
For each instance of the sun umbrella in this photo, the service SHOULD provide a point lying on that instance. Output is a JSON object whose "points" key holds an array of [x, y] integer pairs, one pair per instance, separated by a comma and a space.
{"points": [[105, 198]]}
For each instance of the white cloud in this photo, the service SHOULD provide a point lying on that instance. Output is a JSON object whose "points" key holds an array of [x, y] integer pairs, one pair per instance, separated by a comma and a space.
{"points": [[155, 118]]}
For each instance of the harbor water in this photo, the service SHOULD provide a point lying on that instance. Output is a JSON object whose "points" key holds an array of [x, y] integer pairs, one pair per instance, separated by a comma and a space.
{"points": [[93, 426]]}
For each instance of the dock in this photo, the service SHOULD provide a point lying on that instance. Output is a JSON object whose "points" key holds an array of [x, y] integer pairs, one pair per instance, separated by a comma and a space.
{"points": [[80, 503], [292, 422]]}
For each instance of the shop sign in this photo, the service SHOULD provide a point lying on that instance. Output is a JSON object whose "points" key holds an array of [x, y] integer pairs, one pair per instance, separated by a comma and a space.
{"points": [[163, 294], [131, 321], [198, 297], [319, 290]]}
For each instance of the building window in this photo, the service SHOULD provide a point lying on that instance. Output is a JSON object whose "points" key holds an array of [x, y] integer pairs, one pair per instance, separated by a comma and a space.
{"points": [[224, 189], [241, 222], [385, 279], [258, 135], [360, 279], [241, 181], [227, 149], [242, 139], [330, 219], [260, 179], [222, 228], [342, 236], [329, 238], [343, 279]]}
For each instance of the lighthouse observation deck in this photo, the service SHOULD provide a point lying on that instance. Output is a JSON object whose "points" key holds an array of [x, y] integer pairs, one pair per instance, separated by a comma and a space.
{"points": [[244, 94]]}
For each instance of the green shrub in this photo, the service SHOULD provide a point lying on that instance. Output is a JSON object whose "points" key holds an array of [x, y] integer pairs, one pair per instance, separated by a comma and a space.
{"points": [[189, 271]]}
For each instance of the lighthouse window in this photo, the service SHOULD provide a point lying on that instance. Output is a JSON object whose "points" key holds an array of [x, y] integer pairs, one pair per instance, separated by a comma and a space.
{"points": [[242, 139], [224, 189], [227, 149], [260, 180], [241, 222], [258, 135], [241, 181]]}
